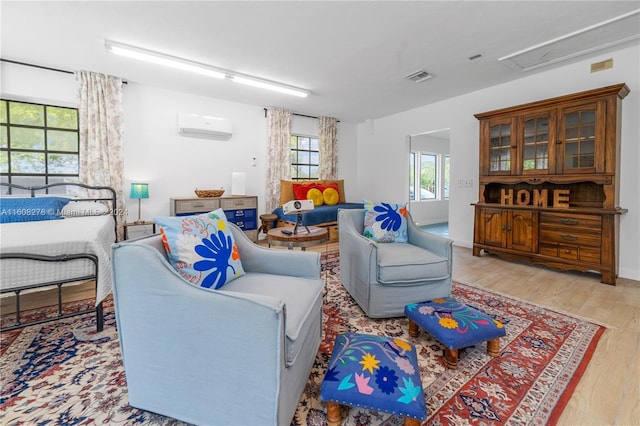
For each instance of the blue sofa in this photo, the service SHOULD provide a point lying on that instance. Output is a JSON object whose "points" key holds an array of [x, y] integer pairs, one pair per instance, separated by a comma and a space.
{"points": [[240, 355]]}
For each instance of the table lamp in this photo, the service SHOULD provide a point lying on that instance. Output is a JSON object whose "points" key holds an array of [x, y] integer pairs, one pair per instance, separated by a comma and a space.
{"points": [[139, 191]]}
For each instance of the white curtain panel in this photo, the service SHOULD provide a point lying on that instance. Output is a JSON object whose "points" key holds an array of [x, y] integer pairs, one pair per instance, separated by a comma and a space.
{"points": [[328, 127], [278, 154], [101, 130]]}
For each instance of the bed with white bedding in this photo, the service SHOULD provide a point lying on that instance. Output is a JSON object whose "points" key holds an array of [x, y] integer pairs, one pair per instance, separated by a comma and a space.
{"points": [[36, 254]]}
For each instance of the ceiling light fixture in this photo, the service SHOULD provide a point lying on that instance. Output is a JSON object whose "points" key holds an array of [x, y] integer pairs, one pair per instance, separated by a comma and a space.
{"points": [[265, 84], [200, 68]]}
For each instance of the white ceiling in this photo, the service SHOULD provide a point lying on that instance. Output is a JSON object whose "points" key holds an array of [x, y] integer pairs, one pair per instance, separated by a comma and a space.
{"points": [[352, 56]]}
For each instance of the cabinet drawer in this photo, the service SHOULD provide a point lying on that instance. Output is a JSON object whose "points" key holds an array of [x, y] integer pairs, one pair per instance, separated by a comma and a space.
{"points": [[549, 249], [187, 207], [568, 252], [571, 220], [589, 254], [567, 236], [241, 214], [243, 218], [239, 203], [244, 224]]}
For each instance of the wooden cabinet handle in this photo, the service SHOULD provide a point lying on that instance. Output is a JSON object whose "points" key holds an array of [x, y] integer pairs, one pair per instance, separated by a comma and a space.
{"points": [[568, 237], [567, 221]]}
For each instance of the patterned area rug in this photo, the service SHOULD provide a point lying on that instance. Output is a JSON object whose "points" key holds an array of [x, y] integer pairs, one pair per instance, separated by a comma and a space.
{"points": [[66, 373]]}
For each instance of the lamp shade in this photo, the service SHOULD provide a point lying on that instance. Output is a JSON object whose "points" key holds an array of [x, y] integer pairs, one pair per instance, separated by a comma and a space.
{"points": [[139, 190]]}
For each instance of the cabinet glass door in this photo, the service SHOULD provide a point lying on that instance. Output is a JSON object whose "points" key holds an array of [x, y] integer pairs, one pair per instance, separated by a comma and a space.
{"points": [[500, 148], [535, 157], [580, 141]]}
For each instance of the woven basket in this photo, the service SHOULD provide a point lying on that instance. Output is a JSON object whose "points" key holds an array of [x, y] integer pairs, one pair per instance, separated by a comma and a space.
{"points": [[208, 193]]}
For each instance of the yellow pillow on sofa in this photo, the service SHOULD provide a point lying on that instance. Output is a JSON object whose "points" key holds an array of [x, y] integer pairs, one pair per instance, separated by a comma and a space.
{"points": [[330, 196], [315, 195]]}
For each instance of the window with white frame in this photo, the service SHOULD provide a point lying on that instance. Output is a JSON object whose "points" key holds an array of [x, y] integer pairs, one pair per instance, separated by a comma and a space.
{"points": [[428, 176], [305, 157], [38, 143]]}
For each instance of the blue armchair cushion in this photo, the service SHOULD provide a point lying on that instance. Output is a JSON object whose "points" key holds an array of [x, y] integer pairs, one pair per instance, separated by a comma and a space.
{"points": [[385, 222], [201, 248], [454, 324], [31, 209], [375, 372], [406, 263]]}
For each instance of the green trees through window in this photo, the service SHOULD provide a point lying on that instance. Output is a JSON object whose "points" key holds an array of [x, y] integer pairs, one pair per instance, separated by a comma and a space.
{"points": [[430, 173], [305, 157], [39, 144]]}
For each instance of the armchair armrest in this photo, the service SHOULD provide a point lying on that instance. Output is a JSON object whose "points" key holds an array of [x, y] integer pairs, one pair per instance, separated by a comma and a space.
{"points": [[357, 252], [278, 262], [427, 240]]}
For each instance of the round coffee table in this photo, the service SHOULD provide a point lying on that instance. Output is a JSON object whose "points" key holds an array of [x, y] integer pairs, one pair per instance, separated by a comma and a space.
{"points": [[303, 238]]}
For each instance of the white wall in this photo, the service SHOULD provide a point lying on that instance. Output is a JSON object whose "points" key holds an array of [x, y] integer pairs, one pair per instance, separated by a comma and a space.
{"points": [[172, 164], [382, 142]]}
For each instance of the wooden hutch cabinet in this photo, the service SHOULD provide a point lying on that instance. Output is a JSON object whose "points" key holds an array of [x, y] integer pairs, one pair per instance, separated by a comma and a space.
{"points": [[549, 182]]}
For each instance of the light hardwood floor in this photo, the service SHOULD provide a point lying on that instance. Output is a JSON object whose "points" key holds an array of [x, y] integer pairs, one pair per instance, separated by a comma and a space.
{"points": [[609, 392]]}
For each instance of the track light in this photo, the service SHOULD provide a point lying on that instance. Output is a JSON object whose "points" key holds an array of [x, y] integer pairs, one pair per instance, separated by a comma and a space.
{"points": [[162, 59], [277, 87], [200, 68]]}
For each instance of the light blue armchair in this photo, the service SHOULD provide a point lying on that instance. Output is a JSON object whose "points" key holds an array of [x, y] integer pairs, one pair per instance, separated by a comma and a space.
{"points": [[384, 277], [240, 355]]}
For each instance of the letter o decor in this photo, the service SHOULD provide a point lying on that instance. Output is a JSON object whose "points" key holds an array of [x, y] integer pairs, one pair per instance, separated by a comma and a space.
{"points": [[523, 197]]}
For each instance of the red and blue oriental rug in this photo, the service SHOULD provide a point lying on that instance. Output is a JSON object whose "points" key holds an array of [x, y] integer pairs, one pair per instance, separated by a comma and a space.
{"points": [[64, 373]]}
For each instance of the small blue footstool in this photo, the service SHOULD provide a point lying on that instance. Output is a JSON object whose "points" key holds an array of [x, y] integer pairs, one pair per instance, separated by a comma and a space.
{"points": [[374, 372], [455, 325]]}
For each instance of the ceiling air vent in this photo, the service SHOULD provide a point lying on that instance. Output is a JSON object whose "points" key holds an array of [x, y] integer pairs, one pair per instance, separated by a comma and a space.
{"points": [[418, 76], [612, 32]]}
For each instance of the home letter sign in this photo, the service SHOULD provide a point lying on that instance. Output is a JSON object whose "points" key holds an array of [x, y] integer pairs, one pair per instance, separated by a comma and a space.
{"points": [[540, 197]]}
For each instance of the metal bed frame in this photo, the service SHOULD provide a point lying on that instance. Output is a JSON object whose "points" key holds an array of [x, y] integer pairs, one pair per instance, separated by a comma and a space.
{"points": [[99, 311]]}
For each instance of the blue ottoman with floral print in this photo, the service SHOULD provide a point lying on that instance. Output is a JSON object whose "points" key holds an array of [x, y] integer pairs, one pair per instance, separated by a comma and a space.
{"points": [[374, 372], [455, 325]]}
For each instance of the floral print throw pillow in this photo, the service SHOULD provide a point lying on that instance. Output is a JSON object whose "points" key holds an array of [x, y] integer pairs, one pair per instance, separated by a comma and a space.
{"points": [[385, 222], [201, 248]]}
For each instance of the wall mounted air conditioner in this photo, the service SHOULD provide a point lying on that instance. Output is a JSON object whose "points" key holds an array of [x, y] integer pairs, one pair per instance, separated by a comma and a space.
{"points": [[204, 126]]}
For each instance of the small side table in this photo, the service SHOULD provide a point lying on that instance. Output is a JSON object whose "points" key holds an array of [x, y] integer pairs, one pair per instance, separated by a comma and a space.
{"points": [[302, 239], [143, 223]]}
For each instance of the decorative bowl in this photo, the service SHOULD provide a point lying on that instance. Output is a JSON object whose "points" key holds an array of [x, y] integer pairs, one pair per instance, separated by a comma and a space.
{"points": [[208, 193]]}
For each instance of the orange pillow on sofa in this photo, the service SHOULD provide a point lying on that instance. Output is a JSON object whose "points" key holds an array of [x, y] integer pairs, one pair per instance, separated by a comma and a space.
{"points": [[300, 190]]}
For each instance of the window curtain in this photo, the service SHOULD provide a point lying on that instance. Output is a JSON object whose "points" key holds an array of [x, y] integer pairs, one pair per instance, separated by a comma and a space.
{"points": [[101, 125], [328, 147], [278, 154]]}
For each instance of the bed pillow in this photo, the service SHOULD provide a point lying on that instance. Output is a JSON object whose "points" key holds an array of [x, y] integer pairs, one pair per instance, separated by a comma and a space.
{"points": [[315, 195], [330, 193], [287, 194], [201, 248], [385, 222], [31, 209], [300, 190], [84, 208], [330, 197]]}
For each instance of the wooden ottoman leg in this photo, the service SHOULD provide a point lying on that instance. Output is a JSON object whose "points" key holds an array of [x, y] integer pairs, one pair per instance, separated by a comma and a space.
{"points": [[334, 414], [493, 347], [414, 330], [411, 422], [451, 358]]}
